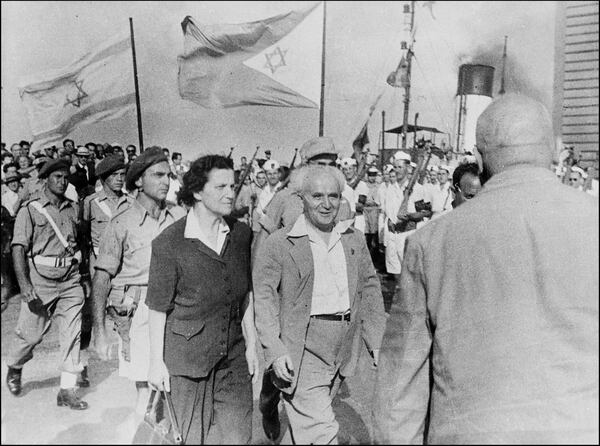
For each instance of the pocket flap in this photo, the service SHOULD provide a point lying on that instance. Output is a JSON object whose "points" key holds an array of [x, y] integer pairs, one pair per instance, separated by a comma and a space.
{"points": [[187, 328]]}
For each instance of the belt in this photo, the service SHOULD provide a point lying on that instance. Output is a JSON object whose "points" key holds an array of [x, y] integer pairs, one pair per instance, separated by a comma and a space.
{"points": [[333, 317], [58, 262]]}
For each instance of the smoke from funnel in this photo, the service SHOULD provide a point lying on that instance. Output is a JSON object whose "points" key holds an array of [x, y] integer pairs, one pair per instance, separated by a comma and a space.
{"points": [[516, 79]]}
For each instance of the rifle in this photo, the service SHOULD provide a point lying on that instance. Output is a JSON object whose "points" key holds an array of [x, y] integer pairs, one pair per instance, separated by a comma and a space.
{"points": [[403, 224], [294, 158], [243, 176], [230, 152]]}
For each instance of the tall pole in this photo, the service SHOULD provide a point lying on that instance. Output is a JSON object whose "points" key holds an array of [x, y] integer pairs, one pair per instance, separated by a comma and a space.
{"points": [[322, 104], [407, 88], [415, 132], [382, 139], [137, 89], [502, 91]]}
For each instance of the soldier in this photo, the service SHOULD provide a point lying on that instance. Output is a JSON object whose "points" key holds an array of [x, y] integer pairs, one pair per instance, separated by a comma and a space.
{"points": [[122, 266], [46, 259], [100, 207]]}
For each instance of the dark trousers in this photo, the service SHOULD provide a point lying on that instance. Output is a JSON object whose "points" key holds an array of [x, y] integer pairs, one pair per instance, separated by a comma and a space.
{"points": [[216, 409]]}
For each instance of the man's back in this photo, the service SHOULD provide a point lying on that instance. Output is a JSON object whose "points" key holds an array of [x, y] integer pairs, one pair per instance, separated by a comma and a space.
{"points": [[510, 282]]}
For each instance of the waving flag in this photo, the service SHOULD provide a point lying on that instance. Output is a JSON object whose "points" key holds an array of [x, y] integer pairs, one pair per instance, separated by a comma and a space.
{"points": [[275, 61], [399, 77], [97, 87]]}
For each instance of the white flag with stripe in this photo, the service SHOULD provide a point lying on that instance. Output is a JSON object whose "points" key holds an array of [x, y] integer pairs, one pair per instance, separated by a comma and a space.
{"points": [[96, 87]]}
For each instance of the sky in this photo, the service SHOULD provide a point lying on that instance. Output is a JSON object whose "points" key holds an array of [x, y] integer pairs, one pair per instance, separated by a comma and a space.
{"points": [[362, 48]]}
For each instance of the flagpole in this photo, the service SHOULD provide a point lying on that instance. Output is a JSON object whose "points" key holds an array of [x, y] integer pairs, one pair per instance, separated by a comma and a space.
{"points": [[322, 104], [407, 88], [137, 89]]}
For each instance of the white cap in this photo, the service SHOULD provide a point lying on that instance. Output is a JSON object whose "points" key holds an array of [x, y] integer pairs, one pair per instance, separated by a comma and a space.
{"points": [[372, 170], [445, 168], [400, 155], [347, 162], [579, 170], [468, 159], [388, 168], [433, 169], [413, 165], [271, 165]]}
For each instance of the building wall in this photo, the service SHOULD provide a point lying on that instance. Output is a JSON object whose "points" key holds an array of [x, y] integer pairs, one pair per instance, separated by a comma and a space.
{"points": [[576, 81]]}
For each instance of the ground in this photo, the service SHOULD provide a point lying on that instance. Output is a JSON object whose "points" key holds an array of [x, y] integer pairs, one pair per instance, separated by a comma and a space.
{"points": [[34, 417]]}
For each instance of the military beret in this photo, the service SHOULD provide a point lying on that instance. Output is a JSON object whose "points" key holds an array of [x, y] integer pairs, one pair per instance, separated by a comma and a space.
{"points": [[321, 145], [149, 157], [109, 165], [53, 166]]}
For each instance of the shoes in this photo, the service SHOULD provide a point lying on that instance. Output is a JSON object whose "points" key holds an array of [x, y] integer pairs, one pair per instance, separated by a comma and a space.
{"points": [[83, 381], [13, 380], [271, 424], [68, 397]]}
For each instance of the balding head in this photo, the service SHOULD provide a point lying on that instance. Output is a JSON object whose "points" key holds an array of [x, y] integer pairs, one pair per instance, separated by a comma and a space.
{"points": [[515, 130]]}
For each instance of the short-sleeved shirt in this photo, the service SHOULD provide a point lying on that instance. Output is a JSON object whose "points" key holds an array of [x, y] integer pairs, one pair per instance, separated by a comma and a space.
{"points": [[34, 232], [126, 244], [395, 195], [95, 214]]}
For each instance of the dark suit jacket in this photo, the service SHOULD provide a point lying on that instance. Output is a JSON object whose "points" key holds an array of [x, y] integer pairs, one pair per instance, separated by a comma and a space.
{"points": [[202, 293]]}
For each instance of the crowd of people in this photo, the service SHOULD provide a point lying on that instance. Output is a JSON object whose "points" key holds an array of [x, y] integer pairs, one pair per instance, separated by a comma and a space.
{"points": [[492, 331]]}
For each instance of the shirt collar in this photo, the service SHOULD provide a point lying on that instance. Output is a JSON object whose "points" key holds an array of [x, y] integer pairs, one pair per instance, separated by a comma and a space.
{"points": [[143, 213], [193, 229], [300, 228], [44, 200]]}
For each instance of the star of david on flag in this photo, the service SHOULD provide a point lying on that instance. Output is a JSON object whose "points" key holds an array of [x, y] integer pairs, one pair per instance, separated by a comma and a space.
{"points": [[96, 87], [275, 61]]}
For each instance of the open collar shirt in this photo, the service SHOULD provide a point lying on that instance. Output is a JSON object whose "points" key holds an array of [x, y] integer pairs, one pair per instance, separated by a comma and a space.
{"points": [[193, 230], [330, 289]]}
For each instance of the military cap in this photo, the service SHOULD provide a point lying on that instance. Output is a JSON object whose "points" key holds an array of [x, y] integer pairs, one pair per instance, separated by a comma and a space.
{"points": [[445, 168], [321, 145], [400, 155], [372, 171], [267, 152], [53, 166], [11, 176], [347, 162], [270, 165], [109, 165], [149, 157], [579, 170]]}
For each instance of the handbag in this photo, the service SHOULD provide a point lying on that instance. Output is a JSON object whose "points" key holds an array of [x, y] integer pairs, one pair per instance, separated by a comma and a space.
{"points": [[159, 426]]}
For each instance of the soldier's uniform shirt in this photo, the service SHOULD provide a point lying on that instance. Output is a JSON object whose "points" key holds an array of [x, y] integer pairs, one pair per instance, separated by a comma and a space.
{"points": [[97, 217], [57, 286], [125, 250]]}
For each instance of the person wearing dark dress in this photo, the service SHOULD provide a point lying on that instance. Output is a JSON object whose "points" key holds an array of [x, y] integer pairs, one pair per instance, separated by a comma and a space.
{"points": [[202, 335]]}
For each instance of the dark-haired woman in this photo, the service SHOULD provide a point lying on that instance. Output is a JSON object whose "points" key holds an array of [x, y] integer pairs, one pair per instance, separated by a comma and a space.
{"points": [[202, 335]]}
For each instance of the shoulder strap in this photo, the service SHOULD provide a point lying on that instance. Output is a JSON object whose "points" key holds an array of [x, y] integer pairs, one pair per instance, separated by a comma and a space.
{"points": [[38, 207], [104, 207]]}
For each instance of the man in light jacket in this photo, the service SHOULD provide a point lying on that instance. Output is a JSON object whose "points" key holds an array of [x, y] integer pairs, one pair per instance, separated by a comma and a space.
{"points": [[493, 335]]}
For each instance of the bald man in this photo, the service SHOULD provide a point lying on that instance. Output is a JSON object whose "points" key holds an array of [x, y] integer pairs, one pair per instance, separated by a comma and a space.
{"points": [[493, 335]]}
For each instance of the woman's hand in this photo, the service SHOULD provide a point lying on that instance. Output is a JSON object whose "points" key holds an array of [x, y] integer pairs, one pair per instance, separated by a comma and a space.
{"points": [[158, 376]]}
